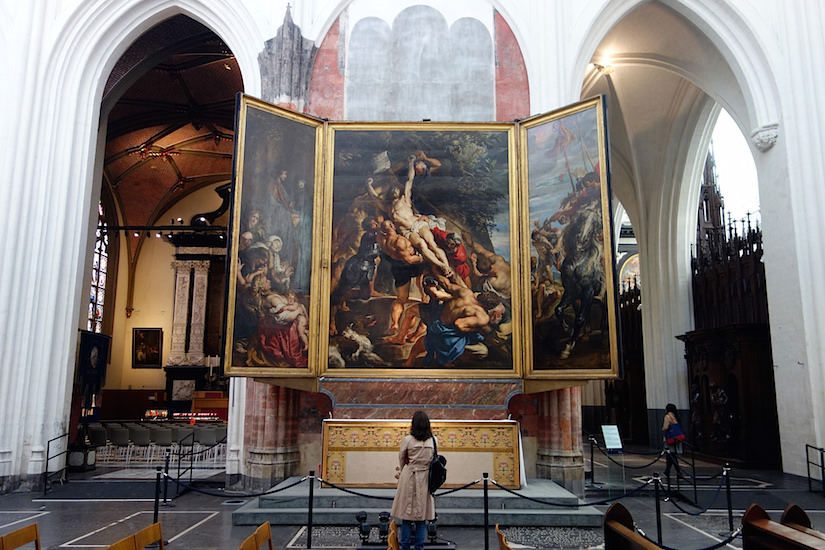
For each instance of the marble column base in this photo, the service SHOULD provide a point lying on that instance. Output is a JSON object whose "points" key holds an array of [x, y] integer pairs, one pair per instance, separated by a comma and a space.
{"points": [[566, 469], [266, 467]]}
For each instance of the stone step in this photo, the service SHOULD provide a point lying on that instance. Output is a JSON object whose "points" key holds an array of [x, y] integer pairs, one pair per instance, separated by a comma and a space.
{"points": [[465, 507], [585, 516]]}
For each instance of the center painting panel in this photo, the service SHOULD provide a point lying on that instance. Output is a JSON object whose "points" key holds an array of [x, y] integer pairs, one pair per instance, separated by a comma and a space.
{"points": [[420, 247]]}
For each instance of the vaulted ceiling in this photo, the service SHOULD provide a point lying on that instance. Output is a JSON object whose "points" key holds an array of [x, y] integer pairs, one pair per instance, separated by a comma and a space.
{"points": [[171, 105]]}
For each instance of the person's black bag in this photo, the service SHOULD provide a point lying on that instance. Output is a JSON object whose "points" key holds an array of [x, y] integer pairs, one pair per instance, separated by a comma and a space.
{"points": [[438, 469]]}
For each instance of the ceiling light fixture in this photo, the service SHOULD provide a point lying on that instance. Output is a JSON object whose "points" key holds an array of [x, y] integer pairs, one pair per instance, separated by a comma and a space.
{"points": [[604, 69]]}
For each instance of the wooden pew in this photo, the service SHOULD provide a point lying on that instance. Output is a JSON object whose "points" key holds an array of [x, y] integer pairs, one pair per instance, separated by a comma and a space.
{"points": [[502, 540], [795, 517], [19, 537], [249, 543], [263, 535], [759, 532], [141, 539], [619, 533], [392, 540]]}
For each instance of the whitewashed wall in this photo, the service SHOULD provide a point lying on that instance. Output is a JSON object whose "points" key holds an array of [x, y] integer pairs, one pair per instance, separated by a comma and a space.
{"points": [[60, 53]]}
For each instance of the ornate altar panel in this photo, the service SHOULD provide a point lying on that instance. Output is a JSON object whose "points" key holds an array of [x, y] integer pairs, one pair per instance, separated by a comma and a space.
{"points": [[364, 453]]}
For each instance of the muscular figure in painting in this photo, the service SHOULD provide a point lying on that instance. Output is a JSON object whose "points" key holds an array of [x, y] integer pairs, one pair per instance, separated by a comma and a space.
{"points": [[490, 268], [454, 319], [414, 227], [405, 266]]}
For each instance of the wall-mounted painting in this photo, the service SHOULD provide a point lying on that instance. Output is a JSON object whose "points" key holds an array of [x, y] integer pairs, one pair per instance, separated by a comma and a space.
{"points": [[571, 259], [421, 249], [269, 319], [147, 348], [397, 250], [92, 358]]}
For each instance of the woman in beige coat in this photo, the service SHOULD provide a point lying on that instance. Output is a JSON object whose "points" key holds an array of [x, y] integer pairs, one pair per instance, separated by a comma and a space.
{"points": [[413, 503]]}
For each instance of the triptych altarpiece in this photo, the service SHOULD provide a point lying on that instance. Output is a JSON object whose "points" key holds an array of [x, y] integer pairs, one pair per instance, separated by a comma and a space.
{"points": [[422, 249]]}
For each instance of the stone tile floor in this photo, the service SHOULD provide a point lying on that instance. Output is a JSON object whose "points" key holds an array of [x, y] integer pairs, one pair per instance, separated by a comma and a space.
{"points": [[203, 521]]}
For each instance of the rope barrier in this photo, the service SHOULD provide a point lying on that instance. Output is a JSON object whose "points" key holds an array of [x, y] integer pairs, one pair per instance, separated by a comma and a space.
{"points": [[453, 490], [712, 501], [688, 475], [649, 464], [246, 495], [350, 491], [192, 453], [579, 505], [356, 493]]}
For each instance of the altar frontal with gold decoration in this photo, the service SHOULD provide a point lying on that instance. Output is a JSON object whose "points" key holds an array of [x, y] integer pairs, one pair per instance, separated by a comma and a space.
{"points": [[364, 453]]}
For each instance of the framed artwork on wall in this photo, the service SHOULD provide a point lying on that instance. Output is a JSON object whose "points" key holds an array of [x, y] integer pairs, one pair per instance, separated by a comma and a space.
{"points": [[270, 320], [147, 348], [92, 359], [565, 171], [421, 251]]}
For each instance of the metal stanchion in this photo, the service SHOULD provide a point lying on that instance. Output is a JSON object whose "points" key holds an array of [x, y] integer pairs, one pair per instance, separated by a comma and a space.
{"points": [[486, 477], [309, 513], [693, 468], [157, 495], [593, 482], [726, 473], [822, 468], [166, 480], [656, 481]]}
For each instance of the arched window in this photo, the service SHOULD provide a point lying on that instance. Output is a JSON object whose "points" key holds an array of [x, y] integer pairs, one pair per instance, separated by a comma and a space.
{"points": [[100, 271]]}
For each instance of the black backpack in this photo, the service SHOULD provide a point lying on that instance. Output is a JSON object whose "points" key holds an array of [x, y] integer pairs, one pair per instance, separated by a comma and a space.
{"points": [[438, 469]]}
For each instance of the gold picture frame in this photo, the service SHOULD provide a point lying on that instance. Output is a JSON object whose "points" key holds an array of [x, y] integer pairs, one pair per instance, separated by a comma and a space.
{"points": [[415, 243], [567, 208], [440, 198], [271, 319]]}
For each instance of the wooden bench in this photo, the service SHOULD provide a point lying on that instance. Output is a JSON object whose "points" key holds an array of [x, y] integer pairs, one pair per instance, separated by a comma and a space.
{"points": [[141, 539], [619, 533], [261, 536], [502, 540], [795, 517], [759, 532], [392, 540], [19, 537]]}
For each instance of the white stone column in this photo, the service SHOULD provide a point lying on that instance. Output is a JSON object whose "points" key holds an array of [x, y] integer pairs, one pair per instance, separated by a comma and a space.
{"points": [[183, 274], [197, 319]]}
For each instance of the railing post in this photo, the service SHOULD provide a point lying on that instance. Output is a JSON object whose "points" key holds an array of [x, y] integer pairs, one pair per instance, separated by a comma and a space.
{"points": [[157, 494], [592, 464], [656, 481], [486, 477], [309, 513], [822, 468], [808, 467], [726, 473], [166, 480], [693, 471]]}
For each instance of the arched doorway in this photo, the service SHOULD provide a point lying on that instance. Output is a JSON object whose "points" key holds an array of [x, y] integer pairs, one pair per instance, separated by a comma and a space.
{"points": [[168, 111]]}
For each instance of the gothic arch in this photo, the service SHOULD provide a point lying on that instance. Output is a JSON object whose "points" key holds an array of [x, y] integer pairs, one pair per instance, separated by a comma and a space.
{"points": [[64, 127], [733, 37]]}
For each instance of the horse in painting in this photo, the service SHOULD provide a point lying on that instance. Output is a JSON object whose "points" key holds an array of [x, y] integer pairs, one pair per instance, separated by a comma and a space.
{"points": [[582, 272]]}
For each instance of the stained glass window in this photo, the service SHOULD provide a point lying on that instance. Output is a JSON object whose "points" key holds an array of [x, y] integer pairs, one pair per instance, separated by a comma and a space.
{"points": [[99, 267]]}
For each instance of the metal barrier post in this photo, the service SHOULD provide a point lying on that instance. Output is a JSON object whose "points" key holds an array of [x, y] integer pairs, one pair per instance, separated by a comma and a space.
{"points": [[166, 480], [693, 470], [157, 494], [726, 473], [656, 481], [822, 468], [592, 464], [486, 477], [309, 514]]}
